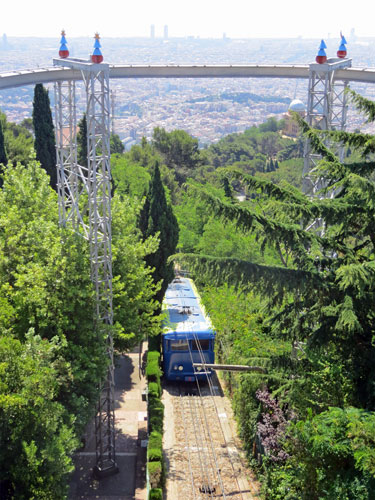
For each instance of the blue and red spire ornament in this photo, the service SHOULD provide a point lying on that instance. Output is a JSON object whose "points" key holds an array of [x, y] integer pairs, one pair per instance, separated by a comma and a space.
{"points": [[321, 58], [341, 53], [97, 56], [63, 52]]}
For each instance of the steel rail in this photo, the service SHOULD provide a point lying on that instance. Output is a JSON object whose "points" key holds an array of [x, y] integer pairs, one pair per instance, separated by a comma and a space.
{"points": [[188, 449], [206, 428], [211, 388], [210, 440], [200, 445], [204, 441], [11, 79]]}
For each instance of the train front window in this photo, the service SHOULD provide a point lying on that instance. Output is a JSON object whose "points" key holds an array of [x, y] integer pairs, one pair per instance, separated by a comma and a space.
{"points": [[203, 345], [178, 345]]}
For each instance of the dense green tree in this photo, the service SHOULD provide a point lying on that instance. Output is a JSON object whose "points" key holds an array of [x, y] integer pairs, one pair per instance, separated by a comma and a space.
{"points": [[44, 285], [271, 125], [36, 433], [27, 123], [179, 151], [202, 233], [51, 356], [129, 178], [44, 133], [256, 143], [331, 456], [133, 287], [82, 141], [157, 218], [116, 144], [45, 281], [19, 142]]}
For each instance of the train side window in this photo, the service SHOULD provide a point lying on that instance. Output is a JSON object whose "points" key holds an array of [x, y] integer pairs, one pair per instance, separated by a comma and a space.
{"points": [[178, 345], [204, 345]]}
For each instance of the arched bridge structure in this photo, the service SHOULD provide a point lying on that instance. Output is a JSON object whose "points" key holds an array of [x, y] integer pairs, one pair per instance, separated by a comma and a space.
{"points": [[59, 74]]}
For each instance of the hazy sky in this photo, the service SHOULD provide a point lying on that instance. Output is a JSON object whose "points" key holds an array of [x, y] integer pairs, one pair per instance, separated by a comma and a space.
{"points": [[204, 18]]}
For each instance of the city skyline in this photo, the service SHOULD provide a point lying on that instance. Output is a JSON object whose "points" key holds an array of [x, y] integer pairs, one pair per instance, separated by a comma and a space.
{"points": [[272, 19]]}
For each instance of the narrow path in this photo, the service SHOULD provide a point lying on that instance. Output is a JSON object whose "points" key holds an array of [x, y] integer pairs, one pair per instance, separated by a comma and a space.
{"points": [[131, 433]]}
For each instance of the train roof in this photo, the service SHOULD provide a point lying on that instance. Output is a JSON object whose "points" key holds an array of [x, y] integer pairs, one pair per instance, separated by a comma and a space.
{"points": [[185, 311]]}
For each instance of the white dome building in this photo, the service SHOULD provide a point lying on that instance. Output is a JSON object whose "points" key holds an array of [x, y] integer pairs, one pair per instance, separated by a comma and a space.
{"points": [[297, 106], [291, 128]]}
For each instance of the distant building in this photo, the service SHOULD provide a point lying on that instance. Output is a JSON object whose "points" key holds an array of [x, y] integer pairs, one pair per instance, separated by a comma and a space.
{"points": [[152, 31], [353, 36], [5, 42], [291, 128], [166, 31]]}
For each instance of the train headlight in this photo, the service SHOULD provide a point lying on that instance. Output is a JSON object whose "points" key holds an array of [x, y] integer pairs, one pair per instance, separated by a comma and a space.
{"points": [[199, 368], [180, 368], [175, 367]]}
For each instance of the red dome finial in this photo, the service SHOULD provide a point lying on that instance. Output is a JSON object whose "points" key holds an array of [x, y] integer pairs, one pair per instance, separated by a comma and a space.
{"points": [[341, 53], [321, 58], [97, 56], [63, 52]]}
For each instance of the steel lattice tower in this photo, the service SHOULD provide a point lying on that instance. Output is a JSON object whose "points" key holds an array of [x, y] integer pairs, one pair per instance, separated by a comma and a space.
{"points": [[85, 202], [326, 110]]}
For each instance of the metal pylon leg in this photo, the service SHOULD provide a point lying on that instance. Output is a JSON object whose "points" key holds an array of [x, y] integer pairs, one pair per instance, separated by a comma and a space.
{"points": [[98, 152], [85, 201], [326, 110]]}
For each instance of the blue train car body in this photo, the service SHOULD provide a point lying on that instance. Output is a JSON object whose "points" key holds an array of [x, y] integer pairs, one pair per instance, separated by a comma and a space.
{"points": [[188, 334]]}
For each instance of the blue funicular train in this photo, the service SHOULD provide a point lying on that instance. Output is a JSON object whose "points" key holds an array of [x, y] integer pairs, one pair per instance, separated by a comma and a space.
{"points": [[188, 334]]}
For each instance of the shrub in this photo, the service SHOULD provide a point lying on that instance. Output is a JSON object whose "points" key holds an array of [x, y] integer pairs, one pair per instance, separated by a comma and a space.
{"points": [[155, 494], [331, 455], [155, 473], [155, 415], [154, 390], [155, 448], [153, 371], [154, 454], [155, 440], [153, 356]]}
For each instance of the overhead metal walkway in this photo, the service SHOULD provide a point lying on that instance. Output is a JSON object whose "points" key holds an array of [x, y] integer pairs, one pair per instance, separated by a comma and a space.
{"points": [[21, 78]]}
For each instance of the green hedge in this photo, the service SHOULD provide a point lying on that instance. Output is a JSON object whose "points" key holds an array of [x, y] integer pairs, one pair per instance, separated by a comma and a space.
{"points": [[155, 494], [154, 455], [154, 390], [153, 371], [153, 356], [155, 440], [155, 415], [155, 409], [155, 447], [155, 473]]}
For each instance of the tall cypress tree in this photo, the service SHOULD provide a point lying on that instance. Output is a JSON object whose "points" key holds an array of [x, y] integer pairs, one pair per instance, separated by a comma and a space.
{"points": [[44, 133], [82, 141], [157, 216], [3, 154]]}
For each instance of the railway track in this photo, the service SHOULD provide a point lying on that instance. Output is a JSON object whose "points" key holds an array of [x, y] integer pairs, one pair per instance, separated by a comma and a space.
{"points": [[205, 460]]}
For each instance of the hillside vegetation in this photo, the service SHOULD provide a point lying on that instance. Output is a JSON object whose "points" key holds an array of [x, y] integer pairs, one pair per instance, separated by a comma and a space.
{"points": [[297, 301]]}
